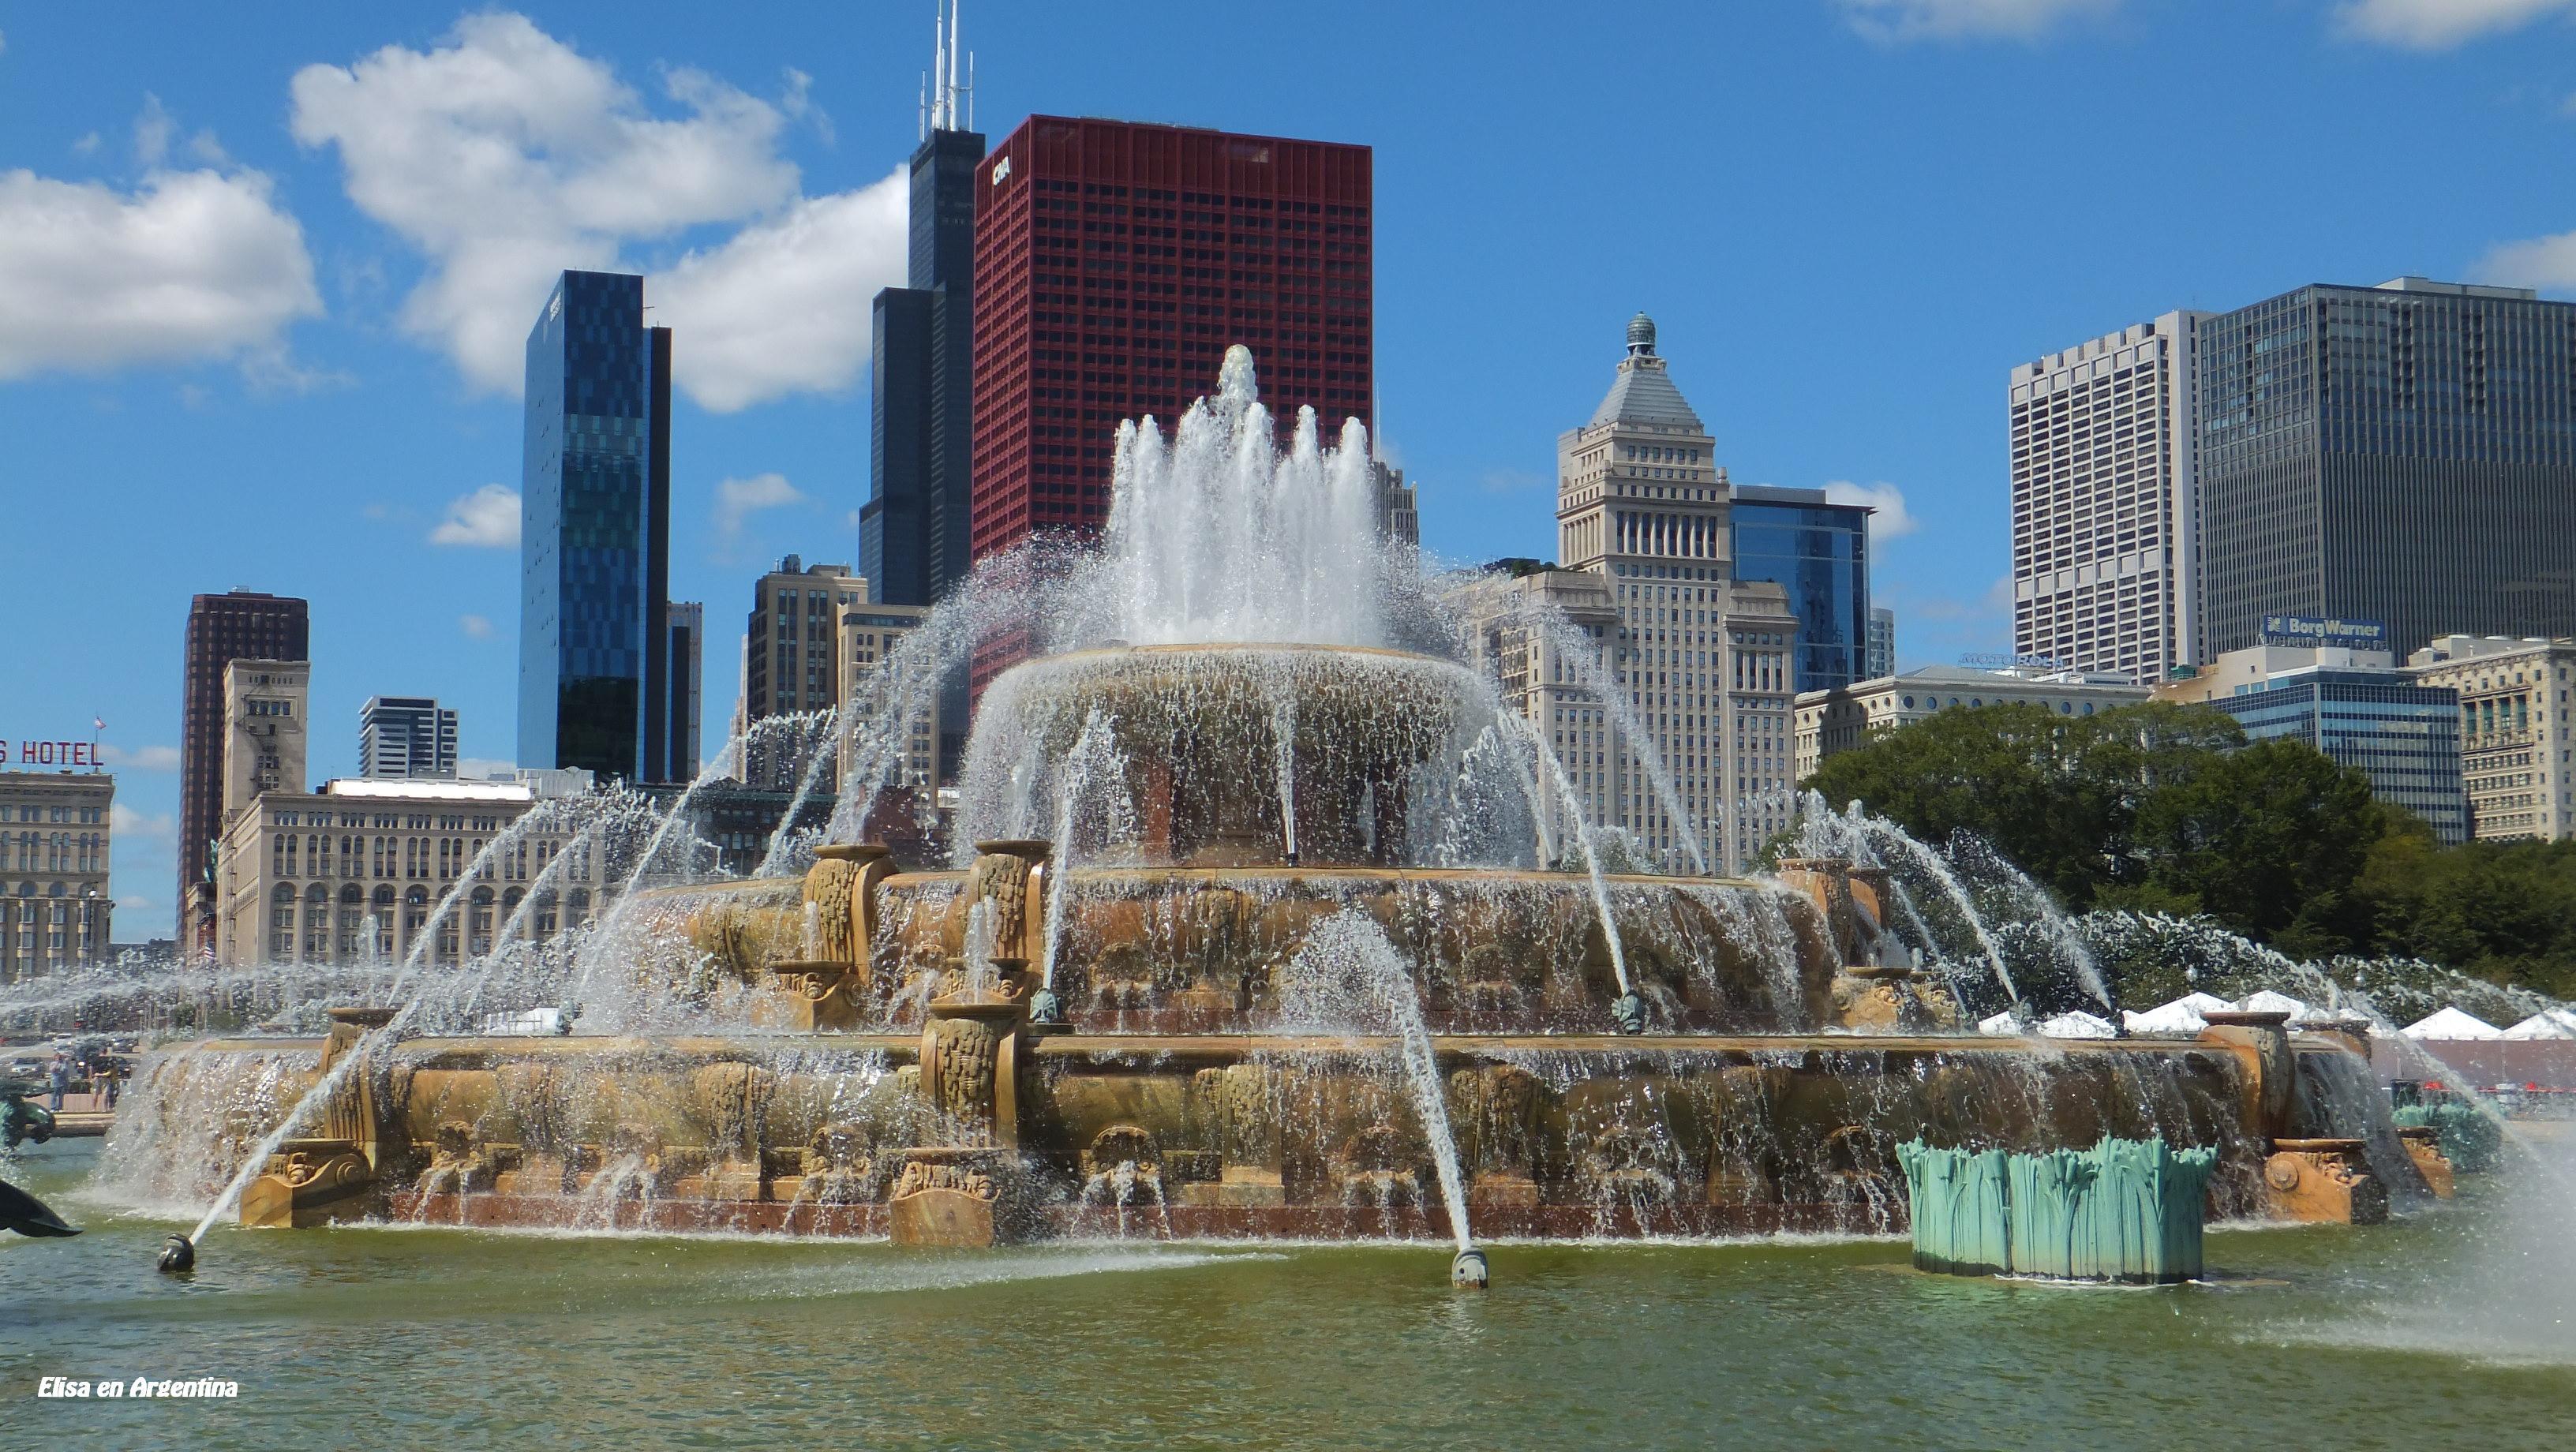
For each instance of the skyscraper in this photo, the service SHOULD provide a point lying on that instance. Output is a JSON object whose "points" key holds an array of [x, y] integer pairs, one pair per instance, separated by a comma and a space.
{"points": [[2102, 502], [1881, 657], [406, 736], [1648, 581], [684, 632], [594, 543], [1115, 262], [1818, 551], [913, 531], [2404, 453], [221, 629]]}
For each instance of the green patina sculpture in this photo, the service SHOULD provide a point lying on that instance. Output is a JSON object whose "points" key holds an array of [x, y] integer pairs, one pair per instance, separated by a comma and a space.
{"points": [[21, 1121], [2471, 1140], [2124, 1210]]}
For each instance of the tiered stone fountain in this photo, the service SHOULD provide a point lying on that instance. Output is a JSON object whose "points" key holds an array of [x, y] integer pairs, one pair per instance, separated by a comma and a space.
{"points": [[1133, 1027]]}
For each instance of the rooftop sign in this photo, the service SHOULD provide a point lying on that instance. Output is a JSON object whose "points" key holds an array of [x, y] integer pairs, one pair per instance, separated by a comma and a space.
{"points": [[2314, 631]]}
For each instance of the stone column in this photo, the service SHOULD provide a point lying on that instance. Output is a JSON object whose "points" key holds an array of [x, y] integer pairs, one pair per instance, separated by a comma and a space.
{"points": [[964, 1186]]}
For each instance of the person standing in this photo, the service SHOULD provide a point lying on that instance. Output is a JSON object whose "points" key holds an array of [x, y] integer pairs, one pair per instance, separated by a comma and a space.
{"points": [[61, 1080]]}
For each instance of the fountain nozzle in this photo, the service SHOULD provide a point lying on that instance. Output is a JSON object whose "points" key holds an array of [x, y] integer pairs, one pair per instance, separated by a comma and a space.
{"points": [[178, 1256], [1467, 1271]]}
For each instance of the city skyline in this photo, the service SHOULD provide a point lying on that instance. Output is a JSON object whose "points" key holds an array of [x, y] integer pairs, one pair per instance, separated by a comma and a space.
{"points": [[334, 418]]}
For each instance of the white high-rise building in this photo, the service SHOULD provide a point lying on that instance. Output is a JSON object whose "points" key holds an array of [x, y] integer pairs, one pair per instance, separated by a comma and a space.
{"points": [[1702, 659], [1879, 657], [2104, 515]]}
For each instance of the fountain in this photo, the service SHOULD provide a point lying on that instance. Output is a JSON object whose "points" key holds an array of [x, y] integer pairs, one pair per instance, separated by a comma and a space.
{"points": [[1240, 753]]}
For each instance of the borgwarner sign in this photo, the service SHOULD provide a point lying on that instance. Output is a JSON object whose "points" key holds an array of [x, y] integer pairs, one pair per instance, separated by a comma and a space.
{"points": [[2315, 631]]}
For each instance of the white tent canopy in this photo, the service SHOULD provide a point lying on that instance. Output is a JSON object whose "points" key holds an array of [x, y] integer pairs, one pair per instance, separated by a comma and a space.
{"points": [[2452, 1024], [2269, 1002], [2182, 1016], [2077, 1024], [2549, 1023]]}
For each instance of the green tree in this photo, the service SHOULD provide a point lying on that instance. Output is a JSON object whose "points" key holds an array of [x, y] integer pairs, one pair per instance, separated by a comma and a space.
{"points": [[2059, 795], [2269, 840]]}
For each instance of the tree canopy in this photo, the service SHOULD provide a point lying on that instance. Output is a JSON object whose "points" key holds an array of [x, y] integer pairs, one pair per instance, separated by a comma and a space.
{"points": [[2168, 808]]}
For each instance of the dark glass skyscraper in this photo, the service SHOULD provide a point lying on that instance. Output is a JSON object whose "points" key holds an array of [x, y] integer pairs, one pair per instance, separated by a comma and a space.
{"points": [[594, 540], [2403, 453], [913, 531], [1819, 553]]}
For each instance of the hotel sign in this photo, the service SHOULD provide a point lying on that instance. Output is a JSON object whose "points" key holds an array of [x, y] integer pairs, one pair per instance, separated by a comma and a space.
{"points": [[49, 753], [2315, 631]]}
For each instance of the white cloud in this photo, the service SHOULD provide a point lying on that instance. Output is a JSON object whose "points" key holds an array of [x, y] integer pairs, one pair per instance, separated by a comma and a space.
{"points": [[476, 627], [1995, 604], [2440, 24], [737, 499], [488, 518], [191, 264], [142, 758], [2541, 262], [152, 132], [1901, 20], [783, 306], [125, 822], [505, 156], [1892, 521]]}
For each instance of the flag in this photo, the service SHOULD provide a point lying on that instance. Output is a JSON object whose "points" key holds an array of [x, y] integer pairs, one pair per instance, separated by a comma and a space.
{"points": [[98, 724]]}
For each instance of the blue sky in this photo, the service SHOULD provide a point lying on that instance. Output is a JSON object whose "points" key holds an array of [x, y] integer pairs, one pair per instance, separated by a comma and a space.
{"points": [[263, 284]]}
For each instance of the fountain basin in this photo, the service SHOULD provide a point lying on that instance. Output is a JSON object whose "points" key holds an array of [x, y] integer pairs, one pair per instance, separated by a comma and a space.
{"points": [[1267, 1135]]}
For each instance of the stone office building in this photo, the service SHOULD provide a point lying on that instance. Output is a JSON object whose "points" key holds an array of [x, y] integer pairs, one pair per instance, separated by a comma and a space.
{"points": [[1702, 657], [55, 906], [2515, 741], [356, 870]]}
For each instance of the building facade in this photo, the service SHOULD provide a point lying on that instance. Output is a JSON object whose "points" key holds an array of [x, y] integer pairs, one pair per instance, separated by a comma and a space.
{"points": [[1818, 551], [2517, 748], [221, 629], [357, 870], [2403, 453], [2354, 705], [1880, 658], [2103, 523], [868, 634], [792, 663], [1114, 264], [406, 736], [594, 539], [56, 910], [1830, 722], [1669, 710], [267, 735]]}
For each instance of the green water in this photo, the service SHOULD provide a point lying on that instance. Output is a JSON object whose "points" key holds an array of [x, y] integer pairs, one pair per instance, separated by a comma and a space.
{"points": [[2455, 1329]]}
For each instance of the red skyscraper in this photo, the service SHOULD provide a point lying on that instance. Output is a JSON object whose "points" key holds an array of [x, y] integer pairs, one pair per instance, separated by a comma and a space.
{"points": [[1115, 262]]}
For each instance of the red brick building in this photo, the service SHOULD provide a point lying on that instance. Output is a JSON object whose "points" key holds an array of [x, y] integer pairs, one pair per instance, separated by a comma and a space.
{"points": [[1115, 263]]}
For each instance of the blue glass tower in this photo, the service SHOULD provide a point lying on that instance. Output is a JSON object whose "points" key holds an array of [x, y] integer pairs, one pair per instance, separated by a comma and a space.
{"points": [[1819, 553], [594, 538], [2404, 737]]}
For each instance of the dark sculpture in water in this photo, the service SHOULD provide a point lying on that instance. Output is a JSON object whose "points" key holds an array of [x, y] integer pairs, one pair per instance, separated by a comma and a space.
{"points": [[21, 1121], [24, 1213]]}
